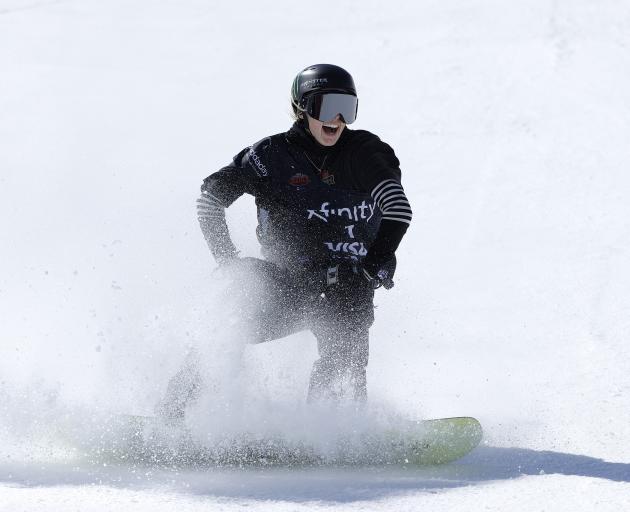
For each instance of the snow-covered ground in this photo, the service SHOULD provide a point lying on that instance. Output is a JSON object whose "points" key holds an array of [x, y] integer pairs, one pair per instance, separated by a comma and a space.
{"points": [[512, 122]]}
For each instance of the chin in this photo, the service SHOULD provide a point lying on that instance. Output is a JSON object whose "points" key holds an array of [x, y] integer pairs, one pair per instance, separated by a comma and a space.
{"points": [[328, 142]]}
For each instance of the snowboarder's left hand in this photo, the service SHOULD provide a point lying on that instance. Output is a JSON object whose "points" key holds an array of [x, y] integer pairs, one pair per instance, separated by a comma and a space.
{"points": [[380, 274]]}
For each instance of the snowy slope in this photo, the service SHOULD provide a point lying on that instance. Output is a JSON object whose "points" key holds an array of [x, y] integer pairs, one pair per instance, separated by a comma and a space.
{"points": [[511, 121]]}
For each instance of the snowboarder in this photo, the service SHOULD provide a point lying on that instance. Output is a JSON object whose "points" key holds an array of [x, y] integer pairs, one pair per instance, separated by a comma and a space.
{"points": [[331, 214]]}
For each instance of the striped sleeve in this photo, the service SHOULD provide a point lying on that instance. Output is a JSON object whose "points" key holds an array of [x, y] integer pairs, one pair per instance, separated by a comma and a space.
{"points": [[390, 197], [209, 207], [211, 215]]}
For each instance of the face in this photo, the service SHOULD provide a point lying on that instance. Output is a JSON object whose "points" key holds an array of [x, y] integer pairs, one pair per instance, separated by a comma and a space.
{"points": [[328, 133]]}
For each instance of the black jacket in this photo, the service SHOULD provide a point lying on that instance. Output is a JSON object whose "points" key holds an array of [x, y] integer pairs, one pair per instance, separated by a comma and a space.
{"points": [[315, 204]]}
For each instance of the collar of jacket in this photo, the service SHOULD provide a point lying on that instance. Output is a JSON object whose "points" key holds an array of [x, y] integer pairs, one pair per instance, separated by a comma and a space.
{"points": [[299, 135]]}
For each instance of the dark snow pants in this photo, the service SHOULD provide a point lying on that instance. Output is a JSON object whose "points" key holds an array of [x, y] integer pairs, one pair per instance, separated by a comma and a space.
{"points": [[336, 306]]}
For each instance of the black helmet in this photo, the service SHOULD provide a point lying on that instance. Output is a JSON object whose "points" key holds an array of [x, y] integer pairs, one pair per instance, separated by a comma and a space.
{"points": [[325, 79]]}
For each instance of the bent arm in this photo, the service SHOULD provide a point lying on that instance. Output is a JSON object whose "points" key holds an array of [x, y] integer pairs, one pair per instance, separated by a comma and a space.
{"points": [[211, 216], [219, 191], [380, 175], [390, 197]]}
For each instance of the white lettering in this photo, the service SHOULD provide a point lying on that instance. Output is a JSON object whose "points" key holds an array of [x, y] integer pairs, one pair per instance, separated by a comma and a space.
{"points": [[313, 213], [362, 207], [315, 82], [371, 211], [261, 167], [355, 248], [336, 248], [363, 211], [348, 210]]}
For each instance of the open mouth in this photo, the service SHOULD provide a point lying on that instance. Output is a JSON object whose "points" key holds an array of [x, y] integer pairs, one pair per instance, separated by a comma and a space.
{"points": [[330, 129]]}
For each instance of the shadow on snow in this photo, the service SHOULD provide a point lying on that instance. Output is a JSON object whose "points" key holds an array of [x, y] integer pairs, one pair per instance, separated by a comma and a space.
{"points": [[327, 484]]}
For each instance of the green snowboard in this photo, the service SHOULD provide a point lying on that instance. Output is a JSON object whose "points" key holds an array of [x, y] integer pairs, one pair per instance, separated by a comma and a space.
{"points": [[439, 441], [144, 439]]}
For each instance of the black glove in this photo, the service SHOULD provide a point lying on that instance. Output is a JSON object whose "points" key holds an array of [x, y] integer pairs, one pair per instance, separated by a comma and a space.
{"points": [[380, 273]]}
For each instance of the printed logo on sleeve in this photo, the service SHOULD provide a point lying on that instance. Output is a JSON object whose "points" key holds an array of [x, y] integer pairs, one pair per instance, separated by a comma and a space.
{"points": [[253, 157]]}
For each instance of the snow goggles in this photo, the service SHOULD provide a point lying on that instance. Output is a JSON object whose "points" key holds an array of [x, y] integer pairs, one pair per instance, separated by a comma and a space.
{"points": [[325, 106]]}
